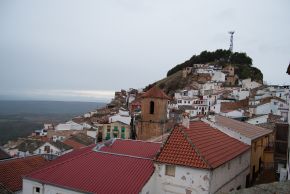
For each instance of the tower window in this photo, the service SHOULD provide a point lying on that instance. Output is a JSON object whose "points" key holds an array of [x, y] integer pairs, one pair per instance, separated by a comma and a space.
{"points": [[151, 107]]}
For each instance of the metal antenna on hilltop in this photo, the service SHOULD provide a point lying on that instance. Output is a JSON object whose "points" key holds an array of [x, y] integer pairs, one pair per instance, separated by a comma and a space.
{"points": [[231, 40]]}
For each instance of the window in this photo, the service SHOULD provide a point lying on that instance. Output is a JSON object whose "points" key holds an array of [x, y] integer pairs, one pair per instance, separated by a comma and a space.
{"points": [[108, 132], [229, 166], [151, 107], [170, 170], [47, 148], [123, 132], [36, 190], [240, 159], [116, 132], [255, 146]]}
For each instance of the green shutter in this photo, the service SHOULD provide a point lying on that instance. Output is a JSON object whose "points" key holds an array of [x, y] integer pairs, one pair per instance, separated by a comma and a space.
{"points": [[123, 132]]}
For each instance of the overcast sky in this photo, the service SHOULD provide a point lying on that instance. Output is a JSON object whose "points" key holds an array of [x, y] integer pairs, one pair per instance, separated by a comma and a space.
{"points": [[84, 50]]}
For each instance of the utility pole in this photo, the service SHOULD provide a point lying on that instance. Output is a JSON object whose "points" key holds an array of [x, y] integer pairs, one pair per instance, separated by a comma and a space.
{"points": [[231, 40]]}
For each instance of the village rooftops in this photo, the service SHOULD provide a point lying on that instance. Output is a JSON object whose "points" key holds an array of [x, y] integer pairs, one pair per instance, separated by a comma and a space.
{"points": [[248, 130], [122, 167], [155, 92], [82, 139], [12, 170], [30, 145], [4, 154], [200, 146]]}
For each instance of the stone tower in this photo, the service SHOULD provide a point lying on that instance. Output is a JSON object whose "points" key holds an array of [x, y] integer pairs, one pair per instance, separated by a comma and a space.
{"points": [[153, 114]]}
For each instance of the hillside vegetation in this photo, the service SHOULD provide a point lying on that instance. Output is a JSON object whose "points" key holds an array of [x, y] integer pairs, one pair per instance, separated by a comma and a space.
{"points": [[241, 61]]}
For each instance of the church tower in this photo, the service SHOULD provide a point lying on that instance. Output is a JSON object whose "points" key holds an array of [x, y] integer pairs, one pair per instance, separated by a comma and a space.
{"points": [[153, 114]]}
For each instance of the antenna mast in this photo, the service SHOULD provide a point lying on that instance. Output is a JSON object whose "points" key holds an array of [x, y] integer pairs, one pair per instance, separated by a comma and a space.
{"points": [[231, 40]]}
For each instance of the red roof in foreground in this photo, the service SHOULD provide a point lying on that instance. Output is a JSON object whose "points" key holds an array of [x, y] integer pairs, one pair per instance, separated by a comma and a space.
{"points": [[100, 171], [155, 92], [200, 146], [12, 170], [133, 148]]}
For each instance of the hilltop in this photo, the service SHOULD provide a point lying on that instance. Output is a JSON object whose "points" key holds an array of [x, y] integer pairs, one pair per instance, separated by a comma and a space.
{"points": [[241, 62]]}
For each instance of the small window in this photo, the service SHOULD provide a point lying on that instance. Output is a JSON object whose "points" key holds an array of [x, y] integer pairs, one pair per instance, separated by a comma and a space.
{"points": [[151, 107], [170, 170], [36, 190], [123, 132], [240, 159], [47, 149], [108, 136], [229, 166]]}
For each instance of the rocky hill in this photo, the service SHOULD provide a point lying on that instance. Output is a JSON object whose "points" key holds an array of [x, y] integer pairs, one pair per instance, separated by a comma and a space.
{"points": [[240, 61]]}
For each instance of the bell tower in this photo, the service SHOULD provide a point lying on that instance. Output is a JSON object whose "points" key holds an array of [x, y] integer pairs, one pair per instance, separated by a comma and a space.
{"points": [[153, 114]]}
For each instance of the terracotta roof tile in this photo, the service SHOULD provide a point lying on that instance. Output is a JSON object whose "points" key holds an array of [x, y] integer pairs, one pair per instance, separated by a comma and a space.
{"points": [[12, 170], [200, 146], [155, 92], [133, 148], [99, 171]]}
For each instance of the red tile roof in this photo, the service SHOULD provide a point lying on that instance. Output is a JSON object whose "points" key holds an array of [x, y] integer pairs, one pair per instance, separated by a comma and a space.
{"points": [[133, 148], [155, 92], [12, 170], [100, 171], [200, 146]]}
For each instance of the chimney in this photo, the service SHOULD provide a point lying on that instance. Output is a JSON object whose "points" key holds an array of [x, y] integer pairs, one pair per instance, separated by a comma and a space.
{"points": [[185, 120]]}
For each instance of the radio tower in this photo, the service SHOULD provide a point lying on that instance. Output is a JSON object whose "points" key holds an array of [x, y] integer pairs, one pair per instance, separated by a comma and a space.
{"points": [[231, 40]]}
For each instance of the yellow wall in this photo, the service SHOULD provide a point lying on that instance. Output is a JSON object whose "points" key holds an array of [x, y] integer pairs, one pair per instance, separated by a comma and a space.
{"points": [[257, 151], [119, 125]]}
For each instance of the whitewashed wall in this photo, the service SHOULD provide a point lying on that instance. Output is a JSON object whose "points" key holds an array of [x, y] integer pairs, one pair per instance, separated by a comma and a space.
{"points": [[231, 174], [232, 114], [92, 134], [28, 186], [258, 120], [191, 179], [218, 76]]}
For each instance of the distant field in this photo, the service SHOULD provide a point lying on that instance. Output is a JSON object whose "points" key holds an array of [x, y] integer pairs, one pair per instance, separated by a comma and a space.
{"points": [[21, 118]]}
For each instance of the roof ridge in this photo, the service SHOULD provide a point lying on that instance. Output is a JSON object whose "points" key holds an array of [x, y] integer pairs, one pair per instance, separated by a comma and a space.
{"points": [[125, 155], [194, 147], [58, 163], [164, 143], [137, 140], [23, 157]]}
